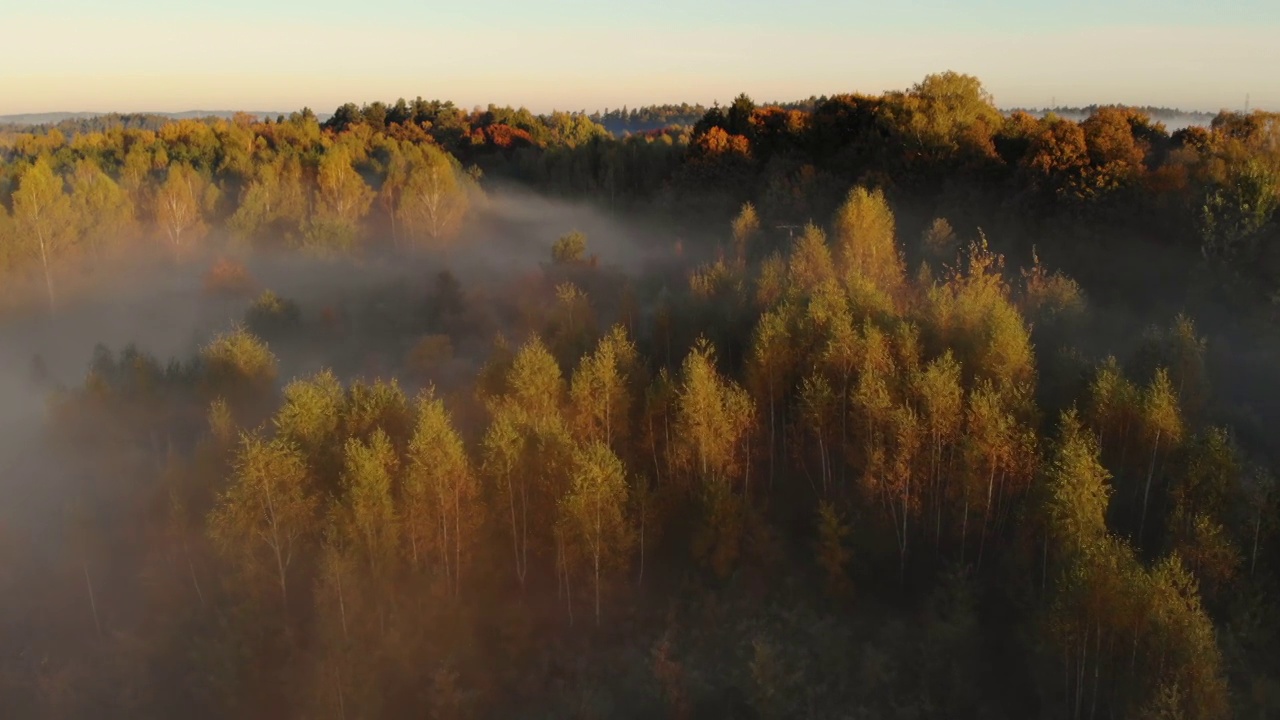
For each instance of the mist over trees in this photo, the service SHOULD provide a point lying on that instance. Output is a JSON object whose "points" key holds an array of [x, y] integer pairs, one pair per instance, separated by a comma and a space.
{"points": [[912, 409]]}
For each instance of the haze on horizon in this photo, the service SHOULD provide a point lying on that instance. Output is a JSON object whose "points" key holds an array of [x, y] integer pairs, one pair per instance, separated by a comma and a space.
{"points": [[148, 55]]}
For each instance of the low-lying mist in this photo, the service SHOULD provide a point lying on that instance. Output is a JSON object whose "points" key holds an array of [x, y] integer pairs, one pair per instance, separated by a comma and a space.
{"points": [[168, 310]]}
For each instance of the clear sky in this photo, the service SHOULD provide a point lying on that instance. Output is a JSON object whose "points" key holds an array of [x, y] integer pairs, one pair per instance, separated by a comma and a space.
{"points": [[279, 55]]}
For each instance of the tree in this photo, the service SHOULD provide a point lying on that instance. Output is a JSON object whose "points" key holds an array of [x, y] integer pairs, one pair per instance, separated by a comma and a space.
{"points": [[941, 115], [341, 200], [865, 240], [941, 401], [595, 510], [377, 406], [527, 448], [7, 241], [309, 418], [810, 263], [569, 249], [938, 243], [264, 521], [435, 195], [1076, 488], [1235, 211], [572, 329], [43, 218], [367, 519], [770, 364], [272, 204], [103, 210], [441, 510], [240, 368], [600, 392], [179, 206], [713, 420], [1112, 410], [746, 227], [1162, 426], [833, 551]]}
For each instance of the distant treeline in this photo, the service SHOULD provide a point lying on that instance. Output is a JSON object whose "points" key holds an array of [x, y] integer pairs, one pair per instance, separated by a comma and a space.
{"points": [[938, 149], [81, 123], [1170, 116]]}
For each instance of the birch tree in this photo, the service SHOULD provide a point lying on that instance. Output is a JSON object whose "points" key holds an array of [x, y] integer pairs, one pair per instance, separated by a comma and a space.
{"points": [[441, 497], [179, 207], [595, 511], [43, 220], [265, 521]]}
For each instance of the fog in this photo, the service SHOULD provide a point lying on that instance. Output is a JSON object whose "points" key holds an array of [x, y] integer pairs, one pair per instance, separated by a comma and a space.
{"points": [[164, 309]]}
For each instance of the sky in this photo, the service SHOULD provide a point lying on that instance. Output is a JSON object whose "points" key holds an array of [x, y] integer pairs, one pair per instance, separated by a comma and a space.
{"points": [[282, 55]]}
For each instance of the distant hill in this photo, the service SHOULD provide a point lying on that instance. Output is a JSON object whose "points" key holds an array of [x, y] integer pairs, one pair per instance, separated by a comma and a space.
{"points": [[617, 121], [76, 123], [51, 118], [1173, 118]]}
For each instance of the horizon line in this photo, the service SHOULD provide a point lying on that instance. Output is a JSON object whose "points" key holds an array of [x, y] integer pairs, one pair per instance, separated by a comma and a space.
{"points": [[10, 118]]}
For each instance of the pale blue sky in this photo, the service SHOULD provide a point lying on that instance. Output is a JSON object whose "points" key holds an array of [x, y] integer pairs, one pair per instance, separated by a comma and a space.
{"points": [[587, 54]]}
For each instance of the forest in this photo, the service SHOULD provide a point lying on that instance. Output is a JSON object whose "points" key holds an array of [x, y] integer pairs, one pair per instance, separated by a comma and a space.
{"points": [[891, 406]]}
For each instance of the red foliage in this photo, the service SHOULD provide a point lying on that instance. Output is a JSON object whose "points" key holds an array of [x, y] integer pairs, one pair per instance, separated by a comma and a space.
{"points": [[229, 277], [505, 137]]}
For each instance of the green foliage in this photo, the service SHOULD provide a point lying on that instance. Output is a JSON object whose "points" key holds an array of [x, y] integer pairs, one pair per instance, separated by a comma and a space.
{"points": [[440, 515], [1234, 212], [746, 228], [239, 367], [368, 523], [272, 317], [866, 242], [43, 220], [594, 510], [263, 522], [569, 249], [833, 553], [1076, 488]]}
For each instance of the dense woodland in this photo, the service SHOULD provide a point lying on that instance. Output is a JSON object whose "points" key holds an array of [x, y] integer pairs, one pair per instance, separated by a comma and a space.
{"points": [[920, 411]]}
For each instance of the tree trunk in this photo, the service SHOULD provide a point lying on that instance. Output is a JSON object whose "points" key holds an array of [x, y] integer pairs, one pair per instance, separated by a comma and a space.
{"points": [[515, 532], [1257, 526], [93, 603], [342, 608], [192, 568], [1097, 668], [457, 541], [595, 556], [275, 544], [773, 442], [342, 705], [906, 505], [986, 516], [644, 506], [1146, 492]]}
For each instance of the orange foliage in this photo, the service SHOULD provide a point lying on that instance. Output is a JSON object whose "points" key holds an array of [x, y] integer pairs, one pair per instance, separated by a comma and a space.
{"points": [[503, 137], [1109, 133], [1059, 146], [716, 143], [228, 277], [1169, 179]]}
